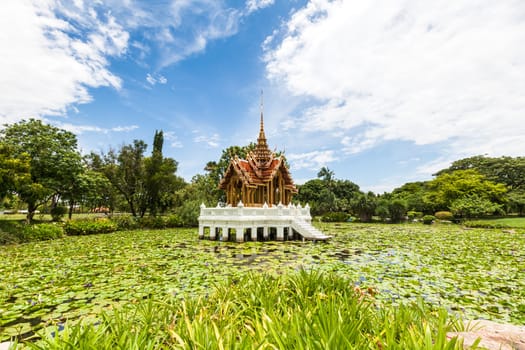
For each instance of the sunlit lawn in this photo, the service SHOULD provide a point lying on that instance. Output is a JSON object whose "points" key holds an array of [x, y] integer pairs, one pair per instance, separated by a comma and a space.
{"points": [[475, 273], [517, 222]]}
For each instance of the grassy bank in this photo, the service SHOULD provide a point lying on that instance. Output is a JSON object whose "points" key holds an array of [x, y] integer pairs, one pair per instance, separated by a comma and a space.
{"points": [[304, 310]]}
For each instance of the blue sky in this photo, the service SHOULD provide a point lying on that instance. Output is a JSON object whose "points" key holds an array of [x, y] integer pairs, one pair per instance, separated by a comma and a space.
{"points": [[382, 92]]}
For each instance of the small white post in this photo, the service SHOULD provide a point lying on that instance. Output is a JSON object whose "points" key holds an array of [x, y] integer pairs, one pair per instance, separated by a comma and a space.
{"points": [[280, 233], [239, 234]]}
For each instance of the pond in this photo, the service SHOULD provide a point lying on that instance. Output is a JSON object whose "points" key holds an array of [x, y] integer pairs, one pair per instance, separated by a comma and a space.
{"points": [[475, 273]]}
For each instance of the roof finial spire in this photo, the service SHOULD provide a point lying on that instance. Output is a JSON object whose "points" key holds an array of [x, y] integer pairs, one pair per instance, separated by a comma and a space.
{"points": [[262, 111], [262, 101], [262, 152]]}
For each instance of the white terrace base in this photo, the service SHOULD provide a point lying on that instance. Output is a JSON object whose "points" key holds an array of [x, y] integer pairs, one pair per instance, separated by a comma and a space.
{"points": [[246, 222]]}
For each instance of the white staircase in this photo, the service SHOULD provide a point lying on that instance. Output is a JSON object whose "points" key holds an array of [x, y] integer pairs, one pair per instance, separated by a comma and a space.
{"points": [[307, 231]]}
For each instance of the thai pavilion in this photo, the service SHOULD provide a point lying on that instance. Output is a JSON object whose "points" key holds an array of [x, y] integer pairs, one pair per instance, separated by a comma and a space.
{"points": [[261, 178], [259, 191]]}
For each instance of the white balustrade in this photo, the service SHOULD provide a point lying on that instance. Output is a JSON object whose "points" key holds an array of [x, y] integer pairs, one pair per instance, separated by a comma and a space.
{"points": [[243, 218]]}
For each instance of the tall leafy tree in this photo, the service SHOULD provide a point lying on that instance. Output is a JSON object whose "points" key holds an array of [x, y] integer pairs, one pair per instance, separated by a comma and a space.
{"points": [[397, 209], [413, 194], [516, 202], [126, 173], [160, 179], [473, 206], [506, 170], [326, 175], [101, 192], [14, 171], [364, 205], [53, 157], [449, 187]]}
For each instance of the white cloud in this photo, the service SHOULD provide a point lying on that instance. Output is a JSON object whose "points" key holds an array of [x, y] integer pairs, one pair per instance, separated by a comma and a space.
{"points": [[157, 79], [212, 141], [173, 139], [311, 160], [181, 28], [55, 51], [80, 129], [424, 72], [254, 5], [47, 62]]}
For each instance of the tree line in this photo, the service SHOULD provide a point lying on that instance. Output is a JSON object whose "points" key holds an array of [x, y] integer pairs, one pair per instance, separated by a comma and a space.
{"points": [[41, 168], [470, 188]]}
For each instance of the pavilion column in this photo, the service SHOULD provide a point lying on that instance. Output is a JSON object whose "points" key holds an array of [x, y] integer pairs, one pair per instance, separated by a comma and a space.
{"points": [[265, 232], [201, 231], [212, 232], [254, 233], [225, 233], [239, 234], [280, 233]]}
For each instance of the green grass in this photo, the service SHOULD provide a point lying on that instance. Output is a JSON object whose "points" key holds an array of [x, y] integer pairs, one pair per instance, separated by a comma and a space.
{"points": [[505, 223], [304, 310], [517, 222], [475, 273]]}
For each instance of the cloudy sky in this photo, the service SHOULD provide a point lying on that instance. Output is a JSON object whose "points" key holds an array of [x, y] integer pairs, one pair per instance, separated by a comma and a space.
{"points": [[382, 92]]}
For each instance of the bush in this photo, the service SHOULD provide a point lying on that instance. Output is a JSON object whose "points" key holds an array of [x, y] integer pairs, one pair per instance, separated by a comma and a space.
{"points": [[125, 222], [334, 217], [155, 222], [414, 215], [428, 219], [42, 232], [397, 209], [485, 224], [189, 213], [173, 221], [57, 213], [11, 232], [89, 227], [444, 215]]}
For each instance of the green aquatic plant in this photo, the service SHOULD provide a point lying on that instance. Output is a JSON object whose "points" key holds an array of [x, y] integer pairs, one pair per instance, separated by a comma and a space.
{"points": [[304, 310], [474, 273]]}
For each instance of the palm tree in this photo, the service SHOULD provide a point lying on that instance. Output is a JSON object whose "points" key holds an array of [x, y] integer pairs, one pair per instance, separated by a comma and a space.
{"points": [[326, 175]]}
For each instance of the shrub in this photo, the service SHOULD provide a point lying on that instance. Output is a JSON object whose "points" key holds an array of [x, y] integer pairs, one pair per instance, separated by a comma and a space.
{"points": [[42, 232], [474, 206], [125, 222], [413, 215], [189, 213], [428, 219], [57, 213], [397, 209], [11, 232], [155, 222], [335, 217], [173, 221], [485, 224], [444, 215], [89, 227]]}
